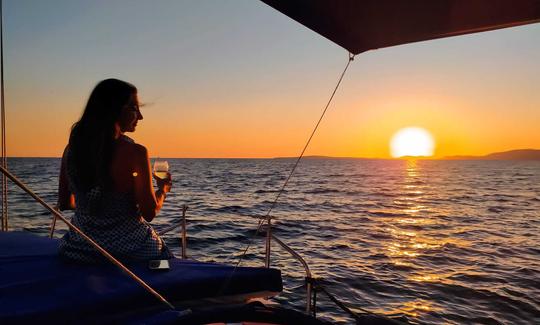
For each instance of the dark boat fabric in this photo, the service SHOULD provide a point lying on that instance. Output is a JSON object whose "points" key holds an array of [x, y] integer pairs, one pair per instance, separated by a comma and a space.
{"points": [[363, 25], [37, 285]]}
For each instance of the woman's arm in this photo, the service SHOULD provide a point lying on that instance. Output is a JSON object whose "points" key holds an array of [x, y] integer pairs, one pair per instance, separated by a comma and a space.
{"points": [[66, 199], [149, 202]]}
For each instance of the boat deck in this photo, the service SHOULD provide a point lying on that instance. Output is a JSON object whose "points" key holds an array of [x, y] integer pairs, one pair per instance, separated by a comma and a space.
{"points": [[35, 284]]}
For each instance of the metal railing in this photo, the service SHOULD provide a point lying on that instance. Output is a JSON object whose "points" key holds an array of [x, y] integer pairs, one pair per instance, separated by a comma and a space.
{"points": [[268, 244], [306, 268], [269, 237], [183, 224]]}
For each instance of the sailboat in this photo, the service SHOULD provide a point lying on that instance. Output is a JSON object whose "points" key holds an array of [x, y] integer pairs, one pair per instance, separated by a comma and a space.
{"points": [[36, 286]]}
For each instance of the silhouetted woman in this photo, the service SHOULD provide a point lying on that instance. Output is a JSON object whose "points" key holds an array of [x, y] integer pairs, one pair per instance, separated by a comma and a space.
{"points": [[106, 177]]}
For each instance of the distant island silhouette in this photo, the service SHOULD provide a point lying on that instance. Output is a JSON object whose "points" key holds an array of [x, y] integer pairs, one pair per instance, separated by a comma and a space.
{"points": [[519, 154]]}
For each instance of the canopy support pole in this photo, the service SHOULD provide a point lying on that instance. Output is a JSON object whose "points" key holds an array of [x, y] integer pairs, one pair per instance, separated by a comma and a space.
{"points": [[3, 161]]}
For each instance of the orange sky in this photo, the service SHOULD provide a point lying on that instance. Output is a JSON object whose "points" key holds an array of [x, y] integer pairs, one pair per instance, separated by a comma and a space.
{"points": [[259, 93]]}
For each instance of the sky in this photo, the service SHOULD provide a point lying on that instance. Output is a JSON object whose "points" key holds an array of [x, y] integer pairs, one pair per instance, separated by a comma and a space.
{"points": [[239, 79]]}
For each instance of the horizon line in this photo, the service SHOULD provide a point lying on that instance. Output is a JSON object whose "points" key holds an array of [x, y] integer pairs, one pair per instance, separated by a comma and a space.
{"points": [[453, 157]]}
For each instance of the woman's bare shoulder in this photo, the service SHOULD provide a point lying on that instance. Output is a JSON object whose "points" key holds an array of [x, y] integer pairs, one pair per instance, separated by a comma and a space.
{"points": [[132, 149]]}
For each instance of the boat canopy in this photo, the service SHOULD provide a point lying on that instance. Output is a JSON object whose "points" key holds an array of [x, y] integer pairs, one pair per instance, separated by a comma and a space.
{"points": [[363, 25]]}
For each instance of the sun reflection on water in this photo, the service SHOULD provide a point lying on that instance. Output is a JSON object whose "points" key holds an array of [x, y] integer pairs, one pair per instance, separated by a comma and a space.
{"points": [[408, 237], [412, 308], [425, 278]]}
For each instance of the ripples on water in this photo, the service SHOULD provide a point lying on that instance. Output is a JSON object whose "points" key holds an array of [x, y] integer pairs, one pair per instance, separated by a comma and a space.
{"points": [[436, 241]]}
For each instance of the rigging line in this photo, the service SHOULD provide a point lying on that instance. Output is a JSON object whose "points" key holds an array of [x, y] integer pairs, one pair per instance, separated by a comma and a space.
{"points": [[261, 219], [351, 58]]}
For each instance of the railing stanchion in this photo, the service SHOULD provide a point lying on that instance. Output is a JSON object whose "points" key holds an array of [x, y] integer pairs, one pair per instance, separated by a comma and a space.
{"points": [[309, 286], [53, 225], [268, 242], [184, 232]]}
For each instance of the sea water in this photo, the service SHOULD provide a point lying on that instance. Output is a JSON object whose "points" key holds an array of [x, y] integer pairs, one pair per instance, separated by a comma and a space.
{"points": [[435, 241]]}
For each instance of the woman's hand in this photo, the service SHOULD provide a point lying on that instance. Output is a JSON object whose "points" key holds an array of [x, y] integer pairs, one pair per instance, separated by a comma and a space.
{"points": [[164, 184]]}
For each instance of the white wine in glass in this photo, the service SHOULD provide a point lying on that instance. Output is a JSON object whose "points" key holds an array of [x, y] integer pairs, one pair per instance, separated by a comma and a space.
{"points": [[161, 168]]}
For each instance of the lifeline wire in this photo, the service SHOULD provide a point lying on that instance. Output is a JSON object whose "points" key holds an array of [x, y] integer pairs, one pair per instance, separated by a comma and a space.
{"points": [[261, 220]]}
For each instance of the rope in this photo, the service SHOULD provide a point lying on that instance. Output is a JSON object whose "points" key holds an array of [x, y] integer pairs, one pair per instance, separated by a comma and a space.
{"points": [[340, 304], [3, 124], [314, 301], [267, 216]]}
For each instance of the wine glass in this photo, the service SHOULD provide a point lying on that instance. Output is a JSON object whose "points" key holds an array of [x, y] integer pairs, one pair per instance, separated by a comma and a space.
{"points": [[161, 168]]}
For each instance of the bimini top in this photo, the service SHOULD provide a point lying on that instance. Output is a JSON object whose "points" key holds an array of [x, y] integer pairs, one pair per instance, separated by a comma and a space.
{"points": [[363, 25], [36, 286]]}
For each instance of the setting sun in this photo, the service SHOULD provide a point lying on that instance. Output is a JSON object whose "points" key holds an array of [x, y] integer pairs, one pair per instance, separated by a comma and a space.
{"points": [[412, 141]]}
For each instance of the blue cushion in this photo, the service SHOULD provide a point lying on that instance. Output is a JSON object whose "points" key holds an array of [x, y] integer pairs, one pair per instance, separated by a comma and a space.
{"points": [[36, 284]]}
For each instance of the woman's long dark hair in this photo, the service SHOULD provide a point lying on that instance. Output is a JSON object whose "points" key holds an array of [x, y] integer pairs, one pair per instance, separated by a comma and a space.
{"points": [[91, 142]]}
